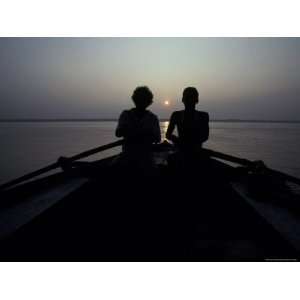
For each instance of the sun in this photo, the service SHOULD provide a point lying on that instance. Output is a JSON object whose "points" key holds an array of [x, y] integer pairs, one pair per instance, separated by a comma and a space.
{"points": [[166, 102]]}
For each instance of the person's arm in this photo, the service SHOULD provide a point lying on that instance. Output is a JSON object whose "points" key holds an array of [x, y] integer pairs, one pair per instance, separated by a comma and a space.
{"points": [[122, 127], [205, 128], [169, 134], [156, 131]]}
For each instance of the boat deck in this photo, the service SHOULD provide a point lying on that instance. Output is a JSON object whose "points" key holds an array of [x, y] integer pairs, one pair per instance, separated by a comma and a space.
{"points": [[163, 216]]}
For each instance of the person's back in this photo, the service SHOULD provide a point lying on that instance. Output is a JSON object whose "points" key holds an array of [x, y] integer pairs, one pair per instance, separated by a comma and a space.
{"points": [[140, 130], [139, 127], [192, 125]]}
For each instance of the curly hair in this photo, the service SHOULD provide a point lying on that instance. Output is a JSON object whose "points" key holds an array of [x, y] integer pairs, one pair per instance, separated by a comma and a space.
{"points": [[142, 95]]}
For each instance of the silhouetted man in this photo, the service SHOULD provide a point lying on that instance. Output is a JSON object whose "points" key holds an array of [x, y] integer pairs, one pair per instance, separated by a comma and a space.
{"points": [[139, 127], [190, 167], [192, 125]]}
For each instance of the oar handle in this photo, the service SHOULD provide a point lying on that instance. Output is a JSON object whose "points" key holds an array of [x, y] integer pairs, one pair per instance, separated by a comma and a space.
{"points": [[251, 164], [234, 159], [57, 164]]}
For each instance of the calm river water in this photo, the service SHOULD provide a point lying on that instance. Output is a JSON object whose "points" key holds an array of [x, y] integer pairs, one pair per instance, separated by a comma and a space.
{"points": [[26, 146]]}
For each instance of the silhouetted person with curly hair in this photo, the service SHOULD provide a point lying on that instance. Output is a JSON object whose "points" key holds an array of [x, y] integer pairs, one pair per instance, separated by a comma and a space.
{"points": [[139, 127]]}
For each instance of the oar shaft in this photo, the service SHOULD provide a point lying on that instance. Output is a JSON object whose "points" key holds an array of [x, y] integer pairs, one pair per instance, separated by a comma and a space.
{"points": [[284, 176], [248, 163], [234, 159], [57, 165], [29, 176], [96, 150]]}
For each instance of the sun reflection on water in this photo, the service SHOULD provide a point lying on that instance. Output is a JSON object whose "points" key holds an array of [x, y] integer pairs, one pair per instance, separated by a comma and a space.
{"points": [[163, 128]]}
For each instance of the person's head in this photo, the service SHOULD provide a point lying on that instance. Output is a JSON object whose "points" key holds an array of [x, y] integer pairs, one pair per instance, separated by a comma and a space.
{"points": [[190, 97], [142, 97]]}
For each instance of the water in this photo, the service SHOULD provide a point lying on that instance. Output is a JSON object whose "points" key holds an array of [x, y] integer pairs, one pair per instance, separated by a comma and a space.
{"points": [[28, 146]]}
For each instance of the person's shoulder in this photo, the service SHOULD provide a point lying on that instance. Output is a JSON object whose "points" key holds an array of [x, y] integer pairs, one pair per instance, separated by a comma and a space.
{"points": [[124, 114], [125, 111], [203, 114], [152, 115], [176, 113]]}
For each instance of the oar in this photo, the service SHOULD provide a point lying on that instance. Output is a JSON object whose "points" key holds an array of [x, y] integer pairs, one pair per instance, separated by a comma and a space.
{"points": [[249, 163], [57, 164]]}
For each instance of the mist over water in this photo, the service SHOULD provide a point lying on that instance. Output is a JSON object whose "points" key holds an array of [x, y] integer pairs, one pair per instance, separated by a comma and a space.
{"points": [[28, 146], [239, 78]]}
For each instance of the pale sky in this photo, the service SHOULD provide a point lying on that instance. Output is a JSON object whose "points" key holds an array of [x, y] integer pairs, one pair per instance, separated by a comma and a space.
{"points": [[243, 78]]}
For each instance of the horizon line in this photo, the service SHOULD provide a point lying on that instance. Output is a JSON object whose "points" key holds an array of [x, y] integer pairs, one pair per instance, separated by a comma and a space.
{"points": [[116, 119]]}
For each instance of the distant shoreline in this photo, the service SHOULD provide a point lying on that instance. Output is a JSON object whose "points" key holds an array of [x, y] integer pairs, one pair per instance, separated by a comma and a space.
{"points": [[162, 120]]}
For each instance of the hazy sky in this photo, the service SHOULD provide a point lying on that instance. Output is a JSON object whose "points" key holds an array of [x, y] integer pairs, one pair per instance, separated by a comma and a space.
{"points": [[246, 78]]}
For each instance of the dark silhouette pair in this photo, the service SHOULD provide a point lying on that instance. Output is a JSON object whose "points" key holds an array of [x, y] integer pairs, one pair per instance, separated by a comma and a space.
{"points": [[140, 127]]}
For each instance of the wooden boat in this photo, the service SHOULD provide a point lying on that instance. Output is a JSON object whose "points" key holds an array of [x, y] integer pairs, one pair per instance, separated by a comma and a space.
{"points": [[207, 210]]}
